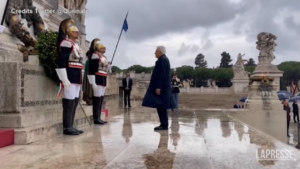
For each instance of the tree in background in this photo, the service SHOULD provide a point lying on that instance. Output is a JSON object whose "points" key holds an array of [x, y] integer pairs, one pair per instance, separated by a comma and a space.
{"points": [[116, 69], [201, 76], [250, 62], [223, 77], [291, 73], [200, 62], [225, 60], [140, 69], [185, 72], [249, 69]]}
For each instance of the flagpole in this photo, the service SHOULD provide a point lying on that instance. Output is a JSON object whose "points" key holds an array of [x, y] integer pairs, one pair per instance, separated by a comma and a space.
{"points": [[119, 39], [3, 17]]}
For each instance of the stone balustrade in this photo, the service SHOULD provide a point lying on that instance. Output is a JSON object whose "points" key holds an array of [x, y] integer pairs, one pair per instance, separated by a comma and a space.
{"points": [[206, 90]]}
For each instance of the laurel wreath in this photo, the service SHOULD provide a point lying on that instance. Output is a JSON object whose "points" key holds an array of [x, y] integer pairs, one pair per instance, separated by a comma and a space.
{"points": [[265, 81], [47, 54]]}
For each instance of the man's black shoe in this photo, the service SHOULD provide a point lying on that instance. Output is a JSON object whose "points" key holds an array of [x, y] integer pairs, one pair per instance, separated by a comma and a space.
{"points": [[103, 121], [98, 122], [70, 131], [78, 131], [161, 128]]}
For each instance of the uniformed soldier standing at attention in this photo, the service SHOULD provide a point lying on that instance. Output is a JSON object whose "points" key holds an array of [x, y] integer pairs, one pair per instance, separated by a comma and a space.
{"points": [[70, 58], [98, 69]]}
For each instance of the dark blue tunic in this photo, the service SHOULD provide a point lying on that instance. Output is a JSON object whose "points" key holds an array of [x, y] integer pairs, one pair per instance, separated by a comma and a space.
{"points": [[101, 78], [74, 72], [160, 79]]}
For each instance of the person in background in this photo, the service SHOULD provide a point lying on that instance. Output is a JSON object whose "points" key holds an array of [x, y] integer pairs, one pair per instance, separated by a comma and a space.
{"points": [[287, 108], [175, 89], [236, 105], [98, 71], [127, 86], [296, 112], [87, 88]]}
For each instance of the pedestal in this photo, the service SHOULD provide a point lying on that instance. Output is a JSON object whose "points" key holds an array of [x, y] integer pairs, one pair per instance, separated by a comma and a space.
{"points": [[265, 99], [265, 111], [239, 84]]}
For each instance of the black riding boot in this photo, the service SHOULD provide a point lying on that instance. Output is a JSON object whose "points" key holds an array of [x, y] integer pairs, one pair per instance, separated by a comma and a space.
{"points": [[96, 111], [73, 115], [68, 106], [65, 104], [101, 103]]}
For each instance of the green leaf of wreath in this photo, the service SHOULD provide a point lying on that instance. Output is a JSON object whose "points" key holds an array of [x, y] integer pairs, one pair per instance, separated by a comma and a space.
{"points": [[47, 54]]}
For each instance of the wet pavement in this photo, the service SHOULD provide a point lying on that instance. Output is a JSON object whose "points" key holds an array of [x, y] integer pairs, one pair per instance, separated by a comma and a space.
{"points": [[196, 139]]}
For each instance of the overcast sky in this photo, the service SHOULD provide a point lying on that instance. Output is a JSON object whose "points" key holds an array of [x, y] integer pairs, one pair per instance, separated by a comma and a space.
{"points": [[189, 27]]}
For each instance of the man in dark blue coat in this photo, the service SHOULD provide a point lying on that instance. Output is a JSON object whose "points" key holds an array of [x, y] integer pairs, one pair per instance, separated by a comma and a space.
{"points": [[159, 93]]}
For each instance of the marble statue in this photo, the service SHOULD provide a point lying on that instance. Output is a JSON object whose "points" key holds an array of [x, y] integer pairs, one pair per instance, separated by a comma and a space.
{"points": [[241, 77], [208, 83], [16, 27], [266, 46], [213, 83], [238, 67]]}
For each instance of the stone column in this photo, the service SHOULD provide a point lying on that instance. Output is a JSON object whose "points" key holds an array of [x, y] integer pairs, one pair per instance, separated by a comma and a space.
{"points": [[132, 74]]}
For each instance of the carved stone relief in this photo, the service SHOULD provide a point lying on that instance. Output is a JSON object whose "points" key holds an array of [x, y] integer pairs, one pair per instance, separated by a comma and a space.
{"points": [[75, 5], [25, 103], [16, 27], [265, 91]]}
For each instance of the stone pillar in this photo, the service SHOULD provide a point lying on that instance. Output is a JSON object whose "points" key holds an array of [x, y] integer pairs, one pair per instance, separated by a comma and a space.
{"points": [[239, 84], [132, 74], [256, 96]]}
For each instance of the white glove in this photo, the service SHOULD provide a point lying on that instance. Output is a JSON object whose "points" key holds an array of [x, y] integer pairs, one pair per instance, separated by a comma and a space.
{"points": [[62, 75], [92, 80]]}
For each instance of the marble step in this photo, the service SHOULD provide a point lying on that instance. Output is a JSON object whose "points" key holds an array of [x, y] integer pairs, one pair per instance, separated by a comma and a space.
{"points": [[32, 134], [49, 129]]}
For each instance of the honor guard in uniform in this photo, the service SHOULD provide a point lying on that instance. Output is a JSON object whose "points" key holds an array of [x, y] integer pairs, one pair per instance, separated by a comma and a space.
{"points": [[98, 69], [70, 58]]}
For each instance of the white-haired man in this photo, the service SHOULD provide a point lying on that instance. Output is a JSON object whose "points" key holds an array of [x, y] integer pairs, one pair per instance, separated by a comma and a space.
{"points": [[159, 93]]}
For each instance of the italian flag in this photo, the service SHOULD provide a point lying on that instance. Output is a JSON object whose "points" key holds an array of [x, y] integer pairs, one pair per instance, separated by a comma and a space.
{"points": [[59, 90]]}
